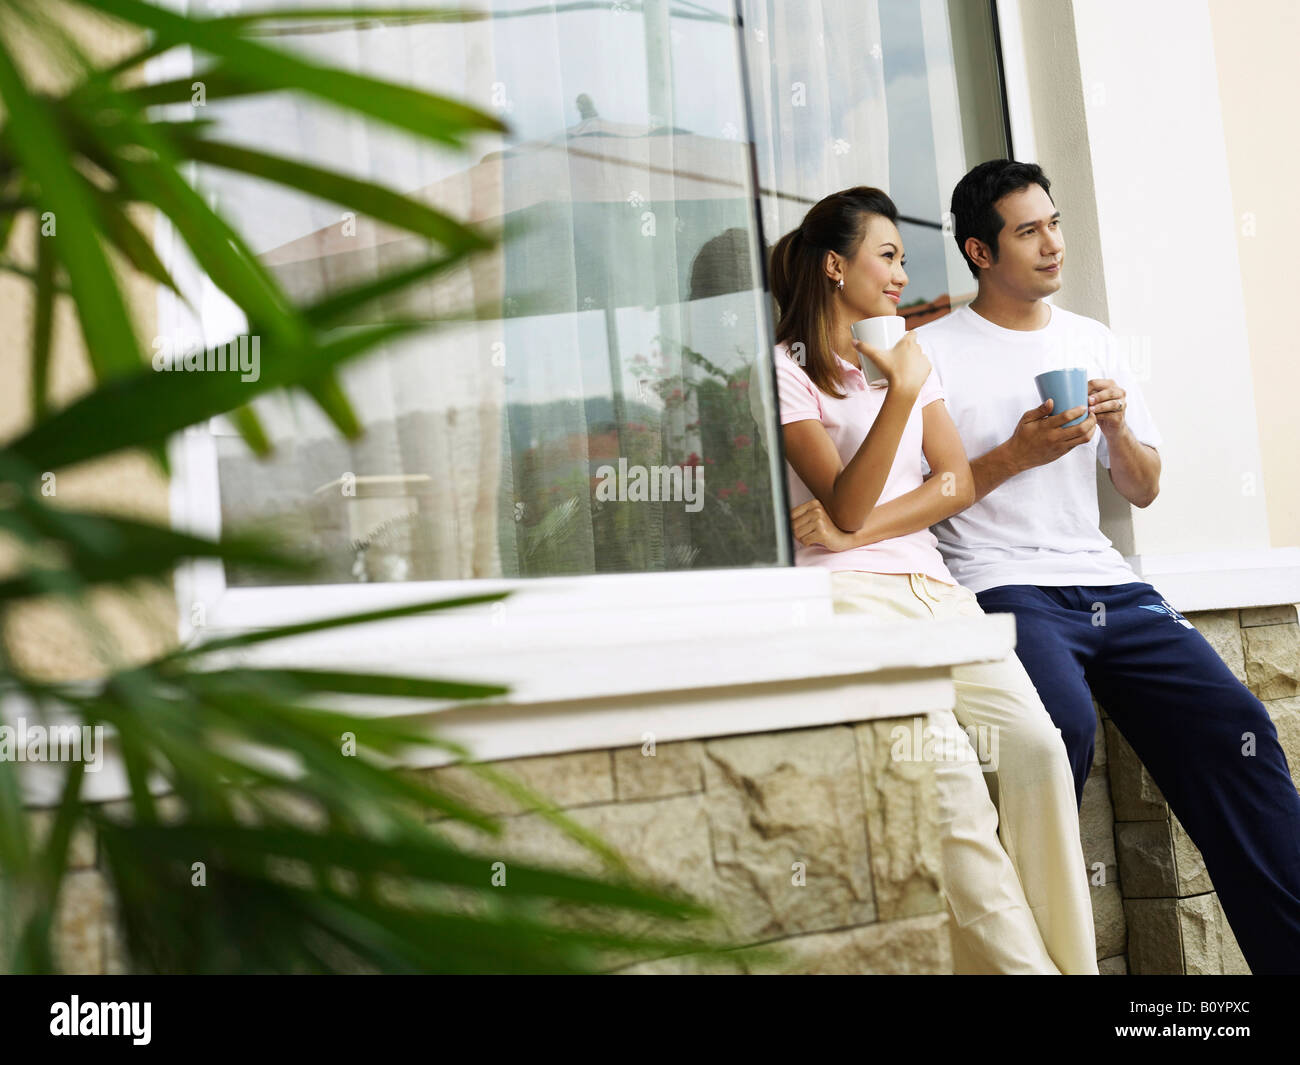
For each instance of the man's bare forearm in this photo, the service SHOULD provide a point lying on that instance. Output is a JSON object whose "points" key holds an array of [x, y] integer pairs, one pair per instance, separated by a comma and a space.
{"points": [[993, 468], [1134, 468]]}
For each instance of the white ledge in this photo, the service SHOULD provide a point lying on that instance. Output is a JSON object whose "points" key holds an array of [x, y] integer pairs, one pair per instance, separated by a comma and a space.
{"points": [[571, 696], [586, 660], [584, 685], [1224, 580]]}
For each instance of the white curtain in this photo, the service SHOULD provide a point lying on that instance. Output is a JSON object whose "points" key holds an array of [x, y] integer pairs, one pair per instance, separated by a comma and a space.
{"points": [[619, 320], [817, 88], [817, 84]]}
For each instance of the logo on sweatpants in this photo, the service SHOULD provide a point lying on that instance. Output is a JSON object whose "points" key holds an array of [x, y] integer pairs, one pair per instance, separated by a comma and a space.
{"points": [[1166, 609]]}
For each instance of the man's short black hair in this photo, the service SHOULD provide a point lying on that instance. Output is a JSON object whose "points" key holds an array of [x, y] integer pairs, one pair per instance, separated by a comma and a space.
{"points": [[973, 214]]}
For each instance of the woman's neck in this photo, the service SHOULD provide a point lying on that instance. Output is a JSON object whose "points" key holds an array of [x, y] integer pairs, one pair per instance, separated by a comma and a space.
{"points": [[842, 337]]}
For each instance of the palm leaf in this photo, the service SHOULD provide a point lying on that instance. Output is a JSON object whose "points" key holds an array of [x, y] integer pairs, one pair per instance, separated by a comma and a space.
{"points": [[34, 137]]}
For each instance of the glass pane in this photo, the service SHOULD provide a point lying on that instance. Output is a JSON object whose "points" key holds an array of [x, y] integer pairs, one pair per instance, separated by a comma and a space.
{"points": [[900, 94], [945, 116], [604, 408]]}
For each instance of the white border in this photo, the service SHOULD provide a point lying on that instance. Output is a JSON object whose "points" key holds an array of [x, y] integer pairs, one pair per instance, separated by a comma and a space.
{"points": [[1015, 77]]}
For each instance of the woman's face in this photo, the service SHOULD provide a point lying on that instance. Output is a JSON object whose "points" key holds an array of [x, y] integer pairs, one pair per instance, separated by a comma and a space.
{"points": [[874, 278]]}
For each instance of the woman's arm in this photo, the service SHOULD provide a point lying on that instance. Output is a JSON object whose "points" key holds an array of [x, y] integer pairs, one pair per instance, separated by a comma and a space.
{"points": [[949, 489], [849, 492]]}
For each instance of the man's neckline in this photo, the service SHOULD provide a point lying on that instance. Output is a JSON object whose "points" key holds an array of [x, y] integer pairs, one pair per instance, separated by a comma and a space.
{"points": [[1051, 315]]}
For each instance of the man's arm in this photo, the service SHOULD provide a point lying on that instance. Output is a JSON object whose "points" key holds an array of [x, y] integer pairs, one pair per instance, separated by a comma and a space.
{"points": [[1134, 466], [992, 468], [1040, 437]]}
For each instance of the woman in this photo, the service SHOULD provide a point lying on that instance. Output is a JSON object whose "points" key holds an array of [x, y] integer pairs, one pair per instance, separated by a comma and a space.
{"points": [[854, 455]]}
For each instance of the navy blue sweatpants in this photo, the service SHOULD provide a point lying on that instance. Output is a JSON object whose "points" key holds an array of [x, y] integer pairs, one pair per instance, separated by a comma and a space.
{"points": [[1206, 740]]}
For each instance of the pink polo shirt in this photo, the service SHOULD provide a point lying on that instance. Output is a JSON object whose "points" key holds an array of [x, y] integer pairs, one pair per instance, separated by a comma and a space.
{"points": [[847, 422]]}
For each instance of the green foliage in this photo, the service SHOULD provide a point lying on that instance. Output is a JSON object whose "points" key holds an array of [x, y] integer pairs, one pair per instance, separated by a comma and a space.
{"points": [[314, 852]]}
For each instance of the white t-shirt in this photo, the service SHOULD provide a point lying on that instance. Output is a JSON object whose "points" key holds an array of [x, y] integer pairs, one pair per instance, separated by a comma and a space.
{"points": [[1041, 526]]}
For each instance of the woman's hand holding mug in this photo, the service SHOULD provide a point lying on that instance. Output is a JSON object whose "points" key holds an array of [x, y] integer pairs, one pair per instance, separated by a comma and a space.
{"points": [[905, 365]]}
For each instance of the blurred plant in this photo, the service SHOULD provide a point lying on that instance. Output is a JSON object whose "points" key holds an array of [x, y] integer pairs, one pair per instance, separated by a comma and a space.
{"points": [[315, 861]]}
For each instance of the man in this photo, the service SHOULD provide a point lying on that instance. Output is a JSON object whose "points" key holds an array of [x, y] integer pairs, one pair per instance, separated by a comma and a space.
{"points": [[1031, 545]]}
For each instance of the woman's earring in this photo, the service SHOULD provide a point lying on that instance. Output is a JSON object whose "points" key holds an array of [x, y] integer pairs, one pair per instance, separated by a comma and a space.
{"points": [[841, 284]]}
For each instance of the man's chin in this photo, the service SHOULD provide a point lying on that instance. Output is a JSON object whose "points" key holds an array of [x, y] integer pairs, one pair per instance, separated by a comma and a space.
{"points": [[1049, 283]]}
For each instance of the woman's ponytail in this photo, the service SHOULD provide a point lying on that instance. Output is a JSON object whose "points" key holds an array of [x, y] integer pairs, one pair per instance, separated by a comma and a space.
{"points": [[804, 293]]}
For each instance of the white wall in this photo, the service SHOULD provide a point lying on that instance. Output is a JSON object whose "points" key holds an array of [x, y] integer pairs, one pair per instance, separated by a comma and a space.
{"points": [[1169, 249], [1126, 118]]}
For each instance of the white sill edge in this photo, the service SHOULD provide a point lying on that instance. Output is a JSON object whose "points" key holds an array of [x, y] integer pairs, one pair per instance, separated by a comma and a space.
{"points": [[907, 674], [561, 666], [1224, 580]]}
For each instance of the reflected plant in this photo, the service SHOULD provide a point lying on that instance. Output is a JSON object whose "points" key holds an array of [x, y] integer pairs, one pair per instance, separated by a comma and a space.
{"points": [[735, 524]]}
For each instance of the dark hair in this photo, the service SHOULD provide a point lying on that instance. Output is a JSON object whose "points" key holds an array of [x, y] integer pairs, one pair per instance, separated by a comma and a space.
{"points": [[973, 213], [723, 265], [803, 292]]}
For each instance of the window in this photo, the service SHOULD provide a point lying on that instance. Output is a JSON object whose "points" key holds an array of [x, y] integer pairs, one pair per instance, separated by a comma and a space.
{"points": [[596, 415], [901, 94], [608, 408]]}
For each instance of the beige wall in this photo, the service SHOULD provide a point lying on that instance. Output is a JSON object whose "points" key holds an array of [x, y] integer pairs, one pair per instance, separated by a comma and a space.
{"points": [[1259, 84], [45, 637]]}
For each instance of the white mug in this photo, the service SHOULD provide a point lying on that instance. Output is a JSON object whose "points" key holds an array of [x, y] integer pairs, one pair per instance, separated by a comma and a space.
{"points": [[881, 333]]}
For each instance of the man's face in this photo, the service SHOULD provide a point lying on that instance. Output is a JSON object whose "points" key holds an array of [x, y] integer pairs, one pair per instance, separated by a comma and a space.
{"points": [[1031, 247]]}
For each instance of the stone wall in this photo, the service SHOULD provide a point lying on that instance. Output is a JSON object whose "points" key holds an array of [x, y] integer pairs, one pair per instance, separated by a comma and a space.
{"points": [[1174, 921], [813, 841], [727, 819], [733, 821]]}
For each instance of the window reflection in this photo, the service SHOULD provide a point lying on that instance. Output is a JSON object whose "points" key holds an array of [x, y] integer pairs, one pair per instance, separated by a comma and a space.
{"points": [[608, 361]]}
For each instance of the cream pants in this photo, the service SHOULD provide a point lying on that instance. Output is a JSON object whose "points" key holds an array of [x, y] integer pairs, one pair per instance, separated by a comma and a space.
{"points": [[1021, 906]]}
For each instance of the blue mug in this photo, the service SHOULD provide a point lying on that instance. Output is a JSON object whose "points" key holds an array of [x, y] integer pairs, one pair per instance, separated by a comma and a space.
{"points": [[1066, 389]]}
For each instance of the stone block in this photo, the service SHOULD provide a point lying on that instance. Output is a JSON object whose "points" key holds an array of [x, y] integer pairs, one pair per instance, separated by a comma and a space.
{"points": [[665, 843], [1189, 866], [672, 769], [1146, 859], [1097, 822], [1222, 629], [1286, 717], [1268, 615], [1209, 947], [580, 778], [914, 945], [901, 804], [1154, 940], [1108, 917], [1273, 660], [1133, 792], [1190, 936], [786, 812]]}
